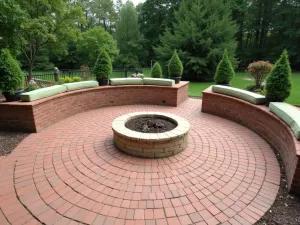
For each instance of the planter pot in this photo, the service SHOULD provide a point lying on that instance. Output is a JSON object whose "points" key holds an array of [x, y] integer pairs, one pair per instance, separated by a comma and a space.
{"points": [[102, 82], [268, 100], [13, 98], [228, 85], [177, 79]]}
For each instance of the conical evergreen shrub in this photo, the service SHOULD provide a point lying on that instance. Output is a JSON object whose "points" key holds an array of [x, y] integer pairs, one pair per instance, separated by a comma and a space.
{"points": [[156, 71], [279, 84], [225, 71], [175, 67], [11, 75], [103, 66]]}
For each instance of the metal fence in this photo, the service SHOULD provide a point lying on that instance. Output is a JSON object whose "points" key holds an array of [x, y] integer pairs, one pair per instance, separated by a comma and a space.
{"points": [[47, 77]]}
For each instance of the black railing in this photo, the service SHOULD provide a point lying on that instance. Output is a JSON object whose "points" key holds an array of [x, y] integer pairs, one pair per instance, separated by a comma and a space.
{"points": [[47, 77]]}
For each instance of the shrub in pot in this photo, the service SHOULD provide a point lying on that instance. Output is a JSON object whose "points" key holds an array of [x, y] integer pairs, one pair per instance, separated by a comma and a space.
{"points": [[11, 76], [259, 71], [103, 68], [278, 86], [156, 71], [175, 68], [225, 71]]}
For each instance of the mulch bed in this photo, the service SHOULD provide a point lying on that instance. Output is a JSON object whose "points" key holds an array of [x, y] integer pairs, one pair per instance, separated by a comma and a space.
{"points": [[10, 140], [150, 125], [286, 208]]}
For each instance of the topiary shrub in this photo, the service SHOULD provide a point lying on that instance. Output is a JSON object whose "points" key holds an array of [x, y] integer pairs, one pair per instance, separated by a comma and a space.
{"points": [[225, 71], [259, 71], [11, 75], [156, 71], [103, 66], [279, 85], [175, 67]]}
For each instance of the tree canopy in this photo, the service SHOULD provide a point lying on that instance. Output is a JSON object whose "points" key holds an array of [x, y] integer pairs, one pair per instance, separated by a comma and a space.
{"points": [[201, 31], [92, 41], [128, 36], [69, 33]]}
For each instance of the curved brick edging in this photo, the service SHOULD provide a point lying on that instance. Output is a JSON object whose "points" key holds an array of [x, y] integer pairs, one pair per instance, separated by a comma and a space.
{"points": [[259, 119], [150, 145], [35, 116]]}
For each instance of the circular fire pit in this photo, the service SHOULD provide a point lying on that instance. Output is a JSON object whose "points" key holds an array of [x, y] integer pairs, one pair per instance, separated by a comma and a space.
{"points": [[159, 134]]}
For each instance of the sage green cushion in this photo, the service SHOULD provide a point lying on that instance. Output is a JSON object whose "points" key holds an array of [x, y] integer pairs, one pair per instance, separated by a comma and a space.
{"points": [[239, 93], [158, 81], [289, 114], [43, 93], [81, 85], [125, 81]]}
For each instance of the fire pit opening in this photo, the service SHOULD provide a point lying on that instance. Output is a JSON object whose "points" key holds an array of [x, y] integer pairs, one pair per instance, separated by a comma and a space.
{"points": [[151, 124], [151, 134]]}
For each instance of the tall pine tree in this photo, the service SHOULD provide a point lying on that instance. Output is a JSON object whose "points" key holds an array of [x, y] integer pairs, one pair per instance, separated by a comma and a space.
{"points": [[128, 37], [202, 30]]}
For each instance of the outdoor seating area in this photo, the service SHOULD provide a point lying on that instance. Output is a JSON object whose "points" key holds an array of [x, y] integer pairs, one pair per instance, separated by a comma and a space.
{"points": [[41, 111], [269, 126], [72, 172], [149, 112]]}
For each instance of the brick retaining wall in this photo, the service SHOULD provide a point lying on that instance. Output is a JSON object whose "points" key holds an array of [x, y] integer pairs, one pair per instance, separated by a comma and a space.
{"points": [[264, 123], [34, 116]]}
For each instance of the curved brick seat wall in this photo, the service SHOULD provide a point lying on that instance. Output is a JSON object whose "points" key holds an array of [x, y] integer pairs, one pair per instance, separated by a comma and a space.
{"points": [[36, 115], [262, 121]]}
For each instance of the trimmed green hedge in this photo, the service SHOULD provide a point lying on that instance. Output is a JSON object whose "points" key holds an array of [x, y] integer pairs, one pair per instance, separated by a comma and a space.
{"points": [[11, 75]]}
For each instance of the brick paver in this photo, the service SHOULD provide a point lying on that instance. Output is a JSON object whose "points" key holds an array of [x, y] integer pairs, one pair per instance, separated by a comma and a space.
{"points": [[71, 173]]}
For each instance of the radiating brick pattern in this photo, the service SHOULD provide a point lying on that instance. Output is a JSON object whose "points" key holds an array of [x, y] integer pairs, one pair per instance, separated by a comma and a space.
{"points": [[71, 173]]}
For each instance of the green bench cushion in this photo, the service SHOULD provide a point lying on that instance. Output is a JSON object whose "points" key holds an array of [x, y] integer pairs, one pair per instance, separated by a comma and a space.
{"points": [[239, 93], [43, 93], [81, 85], [158, 81], [125, 81], [289, 114]]}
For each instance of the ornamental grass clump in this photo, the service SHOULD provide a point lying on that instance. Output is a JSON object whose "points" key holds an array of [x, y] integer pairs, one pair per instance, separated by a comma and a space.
{"points": [[225, 71], [156, 71], [279, 85], [11, 75], [259, 71]]}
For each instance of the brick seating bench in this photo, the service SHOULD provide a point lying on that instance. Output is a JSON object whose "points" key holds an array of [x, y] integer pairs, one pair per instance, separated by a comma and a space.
{"points": [[259, 119], [36, 115]]}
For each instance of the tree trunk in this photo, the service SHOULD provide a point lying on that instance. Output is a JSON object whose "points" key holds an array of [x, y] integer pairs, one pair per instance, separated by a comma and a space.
{"points": [[30, 69]]}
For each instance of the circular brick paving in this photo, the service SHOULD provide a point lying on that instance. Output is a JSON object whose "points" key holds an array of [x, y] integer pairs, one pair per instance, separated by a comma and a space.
{"points": [[71, 173]]}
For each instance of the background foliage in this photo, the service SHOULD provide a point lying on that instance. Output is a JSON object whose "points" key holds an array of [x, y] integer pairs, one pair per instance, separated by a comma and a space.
{"points": [[69, 33]]}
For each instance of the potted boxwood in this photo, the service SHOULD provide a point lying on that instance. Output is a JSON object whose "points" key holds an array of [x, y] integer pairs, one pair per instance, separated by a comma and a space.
{"points": [[11, 77], [175, 68], [279, 85], [225, 71], [103, 68], [156, 71]]}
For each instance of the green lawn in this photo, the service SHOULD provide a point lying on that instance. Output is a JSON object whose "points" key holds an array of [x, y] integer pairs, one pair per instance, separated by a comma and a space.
{"points": [[240, 81]]}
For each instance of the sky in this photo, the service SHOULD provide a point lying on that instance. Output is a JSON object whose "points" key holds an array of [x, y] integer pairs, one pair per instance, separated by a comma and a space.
{"points": [[135, 2]]}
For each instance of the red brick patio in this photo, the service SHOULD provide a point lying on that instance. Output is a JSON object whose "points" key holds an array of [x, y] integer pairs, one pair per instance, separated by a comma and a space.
{"points": [[71, 173]]}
